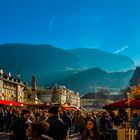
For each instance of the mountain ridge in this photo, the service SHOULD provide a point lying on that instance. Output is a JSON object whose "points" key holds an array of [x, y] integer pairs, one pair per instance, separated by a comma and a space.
{"points": [[85, 81], [51, 64], [102, 59]]}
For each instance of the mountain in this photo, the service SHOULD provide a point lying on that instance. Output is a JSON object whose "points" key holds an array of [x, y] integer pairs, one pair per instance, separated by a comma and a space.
{"points": [[71, 67], [97, 58], [41, 60], [87, 80], [135, 80]]}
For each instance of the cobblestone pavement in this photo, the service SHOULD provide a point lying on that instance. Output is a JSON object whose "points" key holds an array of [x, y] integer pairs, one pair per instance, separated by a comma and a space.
{"points": [[4, 135], [4, 138], [75, 137]]}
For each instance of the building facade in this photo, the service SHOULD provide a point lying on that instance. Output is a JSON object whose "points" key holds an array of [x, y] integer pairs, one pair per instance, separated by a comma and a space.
{"points": [[92, 101], [60, 95], [11, 89]]}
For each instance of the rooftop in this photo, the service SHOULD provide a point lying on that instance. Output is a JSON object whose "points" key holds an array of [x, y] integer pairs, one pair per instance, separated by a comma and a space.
{"points": [[89, 96], [8, 77]]}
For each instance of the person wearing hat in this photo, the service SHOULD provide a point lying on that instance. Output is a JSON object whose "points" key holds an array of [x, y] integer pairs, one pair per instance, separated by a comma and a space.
{"points": [[57, 128], [20, 125]]}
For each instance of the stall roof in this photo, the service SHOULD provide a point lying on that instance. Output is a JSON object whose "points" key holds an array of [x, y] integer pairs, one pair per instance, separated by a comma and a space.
{"points": [[123, 104], [10, 103]]}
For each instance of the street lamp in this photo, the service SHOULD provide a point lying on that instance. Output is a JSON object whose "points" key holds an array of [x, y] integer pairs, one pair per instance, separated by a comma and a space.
{"points": [[129, 109]]}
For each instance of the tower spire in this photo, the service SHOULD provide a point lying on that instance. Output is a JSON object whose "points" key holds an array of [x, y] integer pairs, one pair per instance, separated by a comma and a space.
{"points": [[34, 88]]}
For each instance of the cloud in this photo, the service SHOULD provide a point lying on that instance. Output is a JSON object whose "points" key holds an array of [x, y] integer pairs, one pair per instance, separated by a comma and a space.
{"points": [[72, 69], [85, 19], [51, 23], [121, 49]]}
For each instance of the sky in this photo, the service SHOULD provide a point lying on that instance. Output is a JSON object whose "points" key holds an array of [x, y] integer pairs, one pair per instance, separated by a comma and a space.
{"points": [[110, 25]]}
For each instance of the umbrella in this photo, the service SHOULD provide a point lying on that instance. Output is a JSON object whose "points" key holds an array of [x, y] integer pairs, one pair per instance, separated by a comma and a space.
{"points": [[10, 103]]}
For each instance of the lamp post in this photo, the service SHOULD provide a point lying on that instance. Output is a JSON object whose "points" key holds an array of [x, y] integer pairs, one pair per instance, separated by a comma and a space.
{"points": [[129, 109]]}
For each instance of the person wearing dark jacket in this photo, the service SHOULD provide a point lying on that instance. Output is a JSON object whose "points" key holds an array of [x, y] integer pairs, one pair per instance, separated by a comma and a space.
{"points": [[1, 120], [67, 119], [57, 128], [20, 125]]}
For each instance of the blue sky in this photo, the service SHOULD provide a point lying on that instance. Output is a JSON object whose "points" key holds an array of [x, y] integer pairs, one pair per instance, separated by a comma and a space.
{"points": [[110, 25]]}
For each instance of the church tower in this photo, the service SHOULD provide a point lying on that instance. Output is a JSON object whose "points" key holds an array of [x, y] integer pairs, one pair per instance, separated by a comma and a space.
{"points": [[34, 88]]}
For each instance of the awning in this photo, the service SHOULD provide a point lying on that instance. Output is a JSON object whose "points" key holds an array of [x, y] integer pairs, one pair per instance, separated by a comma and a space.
{"points": [[10, 103], [70, 107], [65, 105], [123, 104]]}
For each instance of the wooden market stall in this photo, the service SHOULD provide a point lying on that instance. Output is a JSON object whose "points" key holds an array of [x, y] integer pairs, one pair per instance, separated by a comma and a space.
{"points": [[130, 105]]}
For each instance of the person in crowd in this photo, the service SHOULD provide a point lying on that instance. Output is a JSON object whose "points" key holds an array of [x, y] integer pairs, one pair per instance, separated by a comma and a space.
{"points": [[98, 120], [1, 120], [138, 131], [67, 119], [5, 118], [94, 116], [37, 116], [91, 131], [45, 126], [81, 121], [16, 114], [20, 125], [102, 124], [134, 121], [117, 121], [109, 124], [44, 115], [88, 116], [8, 118], [57, 128], [70, 114], [75, 121], [35, 131]]}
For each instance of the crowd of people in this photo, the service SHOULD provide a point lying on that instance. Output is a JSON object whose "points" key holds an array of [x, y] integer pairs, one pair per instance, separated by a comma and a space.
{"points": [[56, 124]]}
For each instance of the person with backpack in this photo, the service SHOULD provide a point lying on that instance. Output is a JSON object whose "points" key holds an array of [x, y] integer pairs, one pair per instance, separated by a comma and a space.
{"points": [[57, 128]]}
